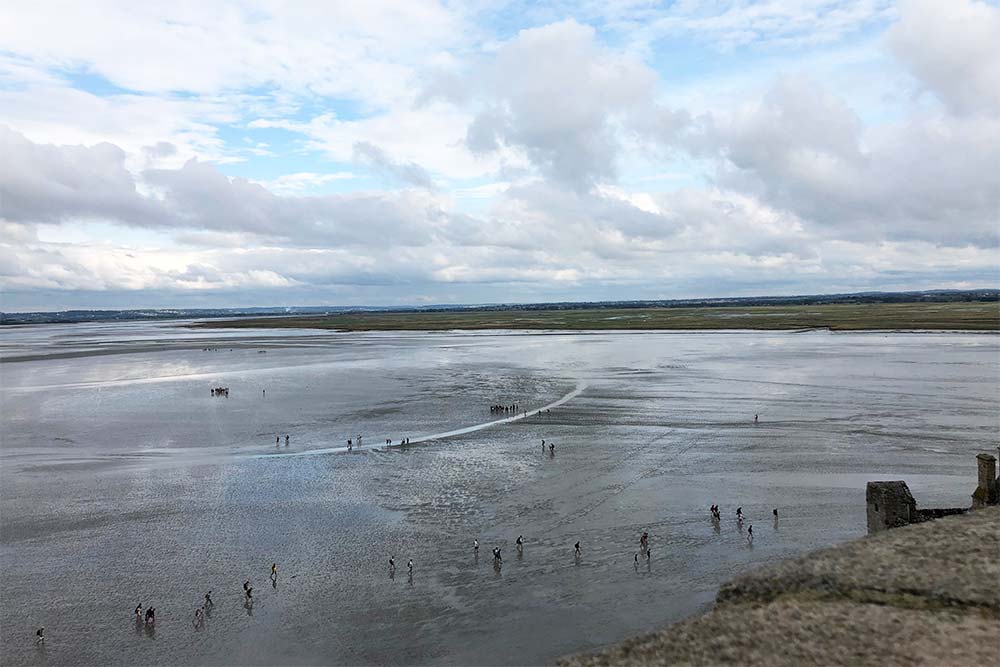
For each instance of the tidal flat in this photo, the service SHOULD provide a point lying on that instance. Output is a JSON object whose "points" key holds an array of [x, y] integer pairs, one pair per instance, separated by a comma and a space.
{"points": [[124, 481]]}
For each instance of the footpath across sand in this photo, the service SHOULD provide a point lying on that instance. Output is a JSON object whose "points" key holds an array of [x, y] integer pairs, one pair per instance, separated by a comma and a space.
{"points": [[925, 594]]}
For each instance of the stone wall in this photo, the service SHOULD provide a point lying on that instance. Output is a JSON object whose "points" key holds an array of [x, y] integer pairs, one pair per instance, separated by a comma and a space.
{"points": [[986, 492], [938, 512], [890, 505]]}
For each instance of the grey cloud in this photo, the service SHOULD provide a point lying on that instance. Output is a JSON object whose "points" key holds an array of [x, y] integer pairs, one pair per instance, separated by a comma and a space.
{"points": [[198, 196], [581, 217], [45, 183], [160, 149], [54, 184], [952, 48], [407, 172], [803, 150]]}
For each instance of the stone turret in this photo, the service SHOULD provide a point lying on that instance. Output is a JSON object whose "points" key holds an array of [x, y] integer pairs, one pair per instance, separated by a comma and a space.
{"points": [[986, 493]]}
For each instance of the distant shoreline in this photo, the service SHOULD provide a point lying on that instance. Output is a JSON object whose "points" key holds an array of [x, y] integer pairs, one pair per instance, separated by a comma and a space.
{"points": [[981, 295], [916, 316]]}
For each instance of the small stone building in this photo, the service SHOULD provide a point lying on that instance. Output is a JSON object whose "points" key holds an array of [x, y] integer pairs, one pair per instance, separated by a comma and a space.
{"points": [[987, 492], [890, 504]]}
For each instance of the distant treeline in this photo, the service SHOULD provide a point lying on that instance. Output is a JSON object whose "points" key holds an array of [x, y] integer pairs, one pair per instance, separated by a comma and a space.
{"points": [[72, 316]]}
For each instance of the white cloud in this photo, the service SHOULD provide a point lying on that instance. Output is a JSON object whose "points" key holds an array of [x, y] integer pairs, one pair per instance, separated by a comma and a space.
{"points": [[557, 95], [802, 149], [729, 24], [304, 181], [335, 47], [496, 150]]}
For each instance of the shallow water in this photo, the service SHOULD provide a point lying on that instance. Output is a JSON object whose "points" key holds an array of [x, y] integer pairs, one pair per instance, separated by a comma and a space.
{"points": [[122, 480]]}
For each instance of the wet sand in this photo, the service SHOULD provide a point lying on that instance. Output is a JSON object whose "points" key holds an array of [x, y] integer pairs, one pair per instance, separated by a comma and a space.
{"points": [[123, 481]]}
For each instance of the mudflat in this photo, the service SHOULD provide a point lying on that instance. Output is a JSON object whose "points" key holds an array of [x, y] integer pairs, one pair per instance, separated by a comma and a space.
{"points": [[922, 594], [123, 480]]}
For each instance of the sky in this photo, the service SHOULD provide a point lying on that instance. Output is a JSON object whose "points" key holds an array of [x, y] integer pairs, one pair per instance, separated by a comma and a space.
{"points": [[408, 152]]}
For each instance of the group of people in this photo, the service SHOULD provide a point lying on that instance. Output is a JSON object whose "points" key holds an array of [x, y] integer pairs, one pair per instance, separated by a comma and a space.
{"points": [[644, 550], [498, 552], [392, 568], [220, 391], [357, 441], [148, 619], [717, 516], [277, 441], [200, 614]]}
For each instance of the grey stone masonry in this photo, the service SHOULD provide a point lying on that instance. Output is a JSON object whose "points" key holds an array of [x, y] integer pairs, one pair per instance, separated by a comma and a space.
{"points": [[890, 505], [986, 493]]}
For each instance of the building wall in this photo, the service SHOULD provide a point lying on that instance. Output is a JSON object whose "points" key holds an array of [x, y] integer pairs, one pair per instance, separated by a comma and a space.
{"points": [[890, 504]]}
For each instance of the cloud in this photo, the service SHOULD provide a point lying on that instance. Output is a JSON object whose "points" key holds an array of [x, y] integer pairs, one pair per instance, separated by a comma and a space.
{"points": [[557, 95], [44, 183], [728, 25], [52, 111], [431, 136], [209, 49], [302, 181], [409, 173], [537, 237], [495, 153], [59, 184], [802, 149], [952, 49]]}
